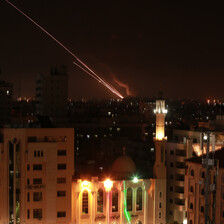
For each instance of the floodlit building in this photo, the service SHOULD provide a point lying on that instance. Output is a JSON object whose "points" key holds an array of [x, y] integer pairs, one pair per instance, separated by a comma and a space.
{"points": [[36, 168], [123, 199], [195, 189]]}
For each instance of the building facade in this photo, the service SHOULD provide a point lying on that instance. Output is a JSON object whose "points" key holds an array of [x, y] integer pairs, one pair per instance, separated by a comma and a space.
{"points": [[185, 144], [36, 168], [52, 94], [195, 190]]}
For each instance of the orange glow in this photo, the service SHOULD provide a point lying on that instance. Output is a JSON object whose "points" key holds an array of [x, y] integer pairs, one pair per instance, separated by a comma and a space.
{"points": [[159, 136], [108, 184], [86, 185], [198, 151]]}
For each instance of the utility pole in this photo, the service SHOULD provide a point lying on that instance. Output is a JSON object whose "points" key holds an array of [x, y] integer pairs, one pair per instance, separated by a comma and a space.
{"points": [[208, 162], [207, 178]]}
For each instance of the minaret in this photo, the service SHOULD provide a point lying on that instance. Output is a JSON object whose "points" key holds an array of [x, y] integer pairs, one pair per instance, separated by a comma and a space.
{"points": [[159, 168]]}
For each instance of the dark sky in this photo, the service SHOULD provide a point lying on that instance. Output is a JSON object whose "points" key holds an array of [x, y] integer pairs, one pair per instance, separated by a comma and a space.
{"points": [[149, 45]]}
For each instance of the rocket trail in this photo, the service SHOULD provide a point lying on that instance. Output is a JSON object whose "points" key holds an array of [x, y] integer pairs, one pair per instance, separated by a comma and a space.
{"points": [[85, 69], [102, 82]]}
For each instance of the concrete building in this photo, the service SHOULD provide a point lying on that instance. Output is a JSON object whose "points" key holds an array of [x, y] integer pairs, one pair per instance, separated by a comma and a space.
{"points": [[36, 168], [184, 145], [195, 190], [52, 94]]}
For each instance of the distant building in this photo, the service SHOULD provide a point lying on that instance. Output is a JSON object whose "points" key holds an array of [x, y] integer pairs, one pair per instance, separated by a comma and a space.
{"points": [[195, 190], [6, 92], [52, 94], [36, 168]]}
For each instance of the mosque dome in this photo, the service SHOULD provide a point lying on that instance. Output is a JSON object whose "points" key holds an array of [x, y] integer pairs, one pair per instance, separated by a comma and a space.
{"points": [[123, 166]]}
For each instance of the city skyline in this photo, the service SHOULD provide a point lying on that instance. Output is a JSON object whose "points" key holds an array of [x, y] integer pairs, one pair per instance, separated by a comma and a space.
{"points": [[176, 48]]}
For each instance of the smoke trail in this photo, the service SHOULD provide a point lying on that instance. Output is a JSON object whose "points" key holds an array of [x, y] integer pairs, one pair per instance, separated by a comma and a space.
{"points": [[93, 74]]}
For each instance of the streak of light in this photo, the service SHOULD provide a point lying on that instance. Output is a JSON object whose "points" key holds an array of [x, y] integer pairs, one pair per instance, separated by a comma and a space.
{"points": [[93, 74], [100, 80]]}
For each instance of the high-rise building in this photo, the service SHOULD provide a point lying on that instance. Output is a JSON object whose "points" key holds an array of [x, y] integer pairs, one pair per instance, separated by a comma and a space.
{"points": [[52, 94], [36, 169]]}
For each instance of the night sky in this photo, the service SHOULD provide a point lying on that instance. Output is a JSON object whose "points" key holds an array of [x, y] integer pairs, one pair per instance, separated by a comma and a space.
{"points": [[148, 45]]}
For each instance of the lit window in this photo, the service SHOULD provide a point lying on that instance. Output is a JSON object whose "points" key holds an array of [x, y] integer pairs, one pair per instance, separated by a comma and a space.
{"points": [[139, 199], [100, 201], [7, 92], [85, 202], [129, 199]]}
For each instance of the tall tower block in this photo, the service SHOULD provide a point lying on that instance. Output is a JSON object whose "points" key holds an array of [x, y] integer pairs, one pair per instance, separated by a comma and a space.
{"points": [[159, 169]]}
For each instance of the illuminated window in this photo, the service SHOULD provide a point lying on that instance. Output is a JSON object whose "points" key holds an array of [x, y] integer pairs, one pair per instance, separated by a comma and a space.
{"points": [[129, 199], [100, 201], [37, 196], [85, 202], [114, 200], [139, 199]]}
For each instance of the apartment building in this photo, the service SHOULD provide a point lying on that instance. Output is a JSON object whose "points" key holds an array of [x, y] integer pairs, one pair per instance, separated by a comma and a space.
{"points": [[36, 169], [195, 189]]}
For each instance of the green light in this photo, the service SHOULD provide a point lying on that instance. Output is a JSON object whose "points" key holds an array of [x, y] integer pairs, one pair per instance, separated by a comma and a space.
{"points": [[127, 215]]}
